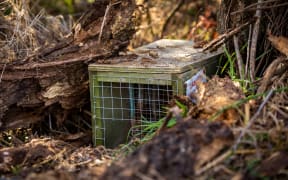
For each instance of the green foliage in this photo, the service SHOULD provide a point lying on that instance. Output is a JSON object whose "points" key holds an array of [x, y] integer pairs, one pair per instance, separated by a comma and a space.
{"points": [[230, 67], [148, 130], [16, 169], [251, 165], [230, 63], [70, 6], [7, 11], [243, 101], [183, 108], [55, 7]]}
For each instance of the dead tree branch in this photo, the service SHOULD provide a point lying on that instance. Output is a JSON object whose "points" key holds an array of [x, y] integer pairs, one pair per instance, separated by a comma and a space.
{"points": [[254, 41], [239, 57], [248, 52], [224, 37], [251, 7]]}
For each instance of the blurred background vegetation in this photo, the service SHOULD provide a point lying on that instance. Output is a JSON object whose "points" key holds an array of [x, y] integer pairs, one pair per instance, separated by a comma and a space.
{"points": [[64, 7], [41, 22], [174, 19]]}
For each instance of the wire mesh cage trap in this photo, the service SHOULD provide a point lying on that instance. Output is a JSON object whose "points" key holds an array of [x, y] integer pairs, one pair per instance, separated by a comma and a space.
{"points": [[137, 88]]}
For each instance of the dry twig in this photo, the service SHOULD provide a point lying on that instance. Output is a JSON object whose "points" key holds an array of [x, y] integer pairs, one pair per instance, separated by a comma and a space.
{"points": [[248, 52], [251, 6], [104, 21], [239, 57], [62, 62], [105, 18], [224, 37], [254, 41], [3, 70], [216, 161]]}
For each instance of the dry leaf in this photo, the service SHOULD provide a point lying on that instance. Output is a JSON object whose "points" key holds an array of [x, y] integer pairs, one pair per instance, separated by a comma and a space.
{"points": [[279, 42]]}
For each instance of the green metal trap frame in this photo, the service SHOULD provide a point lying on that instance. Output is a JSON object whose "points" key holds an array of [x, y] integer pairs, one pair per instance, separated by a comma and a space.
{"points": [[139, 87]]}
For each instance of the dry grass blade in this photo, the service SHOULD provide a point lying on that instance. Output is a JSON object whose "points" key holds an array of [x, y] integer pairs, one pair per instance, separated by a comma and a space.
{"points": [[23, 33]]}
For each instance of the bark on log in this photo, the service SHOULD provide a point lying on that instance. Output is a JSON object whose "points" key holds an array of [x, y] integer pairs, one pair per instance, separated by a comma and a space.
{"points": [[34, 87]]}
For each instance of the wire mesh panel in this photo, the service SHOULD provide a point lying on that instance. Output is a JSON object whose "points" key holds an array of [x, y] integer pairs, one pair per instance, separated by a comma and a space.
{"points": [[127, 102]]}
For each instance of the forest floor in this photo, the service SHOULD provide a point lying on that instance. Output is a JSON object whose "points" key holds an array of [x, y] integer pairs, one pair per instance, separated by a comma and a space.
{"points": [[229, 133], [194, 148]]}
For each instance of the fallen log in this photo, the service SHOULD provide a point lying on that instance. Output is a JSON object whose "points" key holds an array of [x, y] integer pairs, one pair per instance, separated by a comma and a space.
{"points": [[56, 76]]}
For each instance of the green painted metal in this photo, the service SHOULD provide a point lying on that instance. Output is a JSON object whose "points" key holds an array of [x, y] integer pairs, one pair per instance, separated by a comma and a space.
{"points": [[107, 79], [97, 123]]}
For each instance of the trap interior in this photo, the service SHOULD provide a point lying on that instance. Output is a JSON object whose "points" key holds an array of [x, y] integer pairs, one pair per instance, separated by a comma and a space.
{"points": [[135, 88]]}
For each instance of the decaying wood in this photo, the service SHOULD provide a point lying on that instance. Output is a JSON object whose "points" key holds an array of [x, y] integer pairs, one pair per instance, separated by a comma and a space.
{"points": [[57, 74], [176, 153]]}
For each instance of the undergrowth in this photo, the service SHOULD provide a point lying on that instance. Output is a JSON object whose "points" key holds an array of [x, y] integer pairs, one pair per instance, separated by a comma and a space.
{"points": [[148, 130]]}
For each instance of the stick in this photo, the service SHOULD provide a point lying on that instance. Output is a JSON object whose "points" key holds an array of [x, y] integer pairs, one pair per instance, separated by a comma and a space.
{"points": [[248, 52], [57, 63], [252, 5], [105, 18], [253, 50], [239, 57], [268, 7], [2, 72], [104, 21], [224, 37], [216, 161]]}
